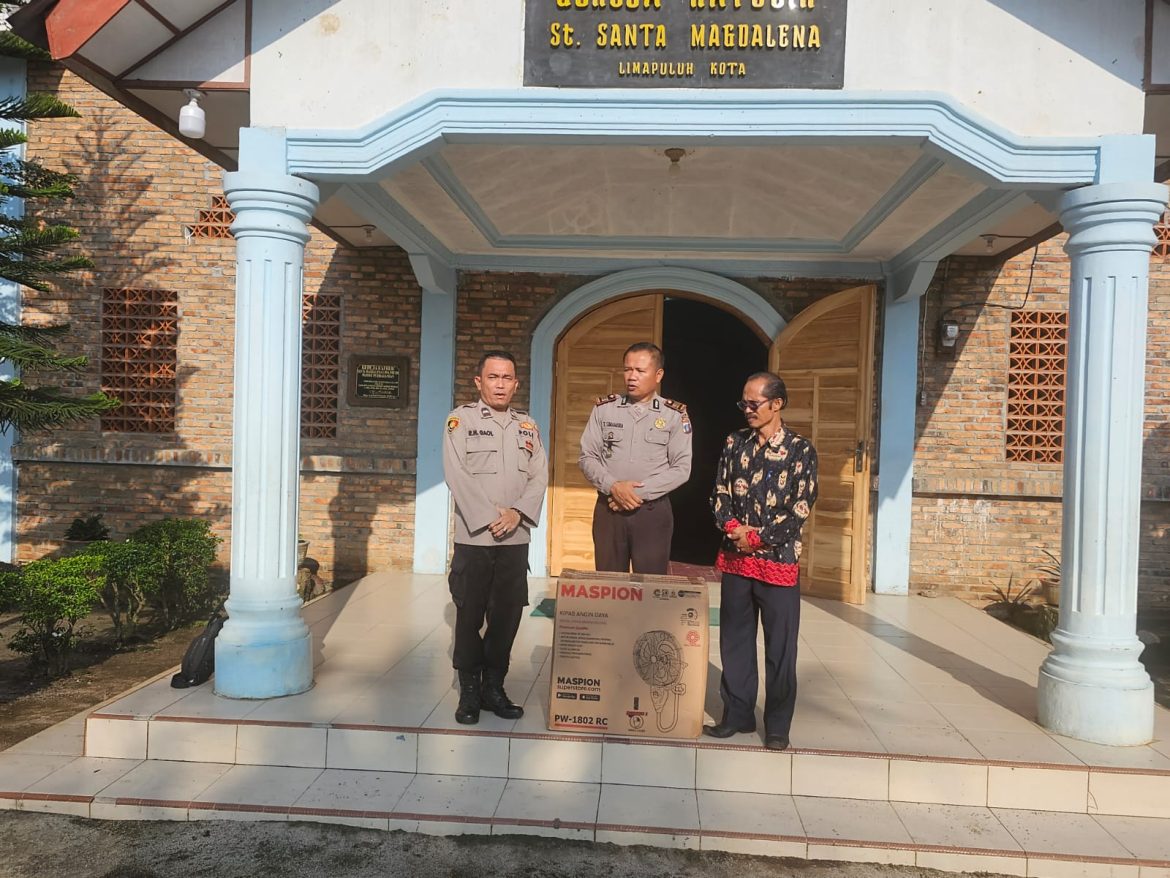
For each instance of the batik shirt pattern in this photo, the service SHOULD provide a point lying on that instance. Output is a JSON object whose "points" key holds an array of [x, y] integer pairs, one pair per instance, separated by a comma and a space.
{"points": [[771, 487]]}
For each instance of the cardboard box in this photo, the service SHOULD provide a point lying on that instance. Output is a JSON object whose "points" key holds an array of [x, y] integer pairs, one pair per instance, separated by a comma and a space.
{"points": [[629, 655]]}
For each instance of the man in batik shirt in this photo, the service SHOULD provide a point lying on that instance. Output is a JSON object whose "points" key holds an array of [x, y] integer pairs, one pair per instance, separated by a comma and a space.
{"points": [[765, 486]]}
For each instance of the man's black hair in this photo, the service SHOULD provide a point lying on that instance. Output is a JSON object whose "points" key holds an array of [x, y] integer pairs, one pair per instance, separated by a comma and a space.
{"points": [[773, 385], [493, 355], [653, 350]]}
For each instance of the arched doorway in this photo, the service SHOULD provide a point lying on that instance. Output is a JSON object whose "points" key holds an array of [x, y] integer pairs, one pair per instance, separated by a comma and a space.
{"points": [[709, 351]]}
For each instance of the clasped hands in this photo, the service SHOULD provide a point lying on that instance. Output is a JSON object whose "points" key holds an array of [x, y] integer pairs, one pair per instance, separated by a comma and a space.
{"points": [[503, 526], [623, 498], [740, 536]]}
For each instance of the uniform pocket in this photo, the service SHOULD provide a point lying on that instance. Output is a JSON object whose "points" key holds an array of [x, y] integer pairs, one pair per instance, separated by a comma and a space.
{"points": [[483, 455], [654, 446]]}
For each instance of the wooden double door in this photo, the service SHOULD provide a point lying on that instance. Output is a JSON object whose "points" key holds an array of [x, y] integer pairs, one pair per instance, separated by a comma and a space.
{"points": [[825, 356]]}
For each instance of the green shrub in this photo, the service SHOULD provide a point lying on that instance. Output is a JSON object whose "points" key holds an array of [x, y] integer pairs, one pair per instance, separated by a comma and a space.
{"points": [[183, 550], [131, 573], [52, 595]]}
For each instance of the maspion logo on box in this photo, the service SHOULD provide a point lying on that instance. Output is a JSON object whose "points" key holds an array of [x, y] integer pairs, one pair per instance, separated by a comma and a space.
{"points": [[601, 592]]}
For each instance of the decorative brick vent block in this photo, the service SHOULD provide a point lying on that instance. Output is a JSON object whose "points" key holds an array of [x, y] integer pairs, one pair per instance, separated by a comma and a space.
{"points": [[320, 365], [1162, 230], [214, 222], [140, 333], [1037, 357]]}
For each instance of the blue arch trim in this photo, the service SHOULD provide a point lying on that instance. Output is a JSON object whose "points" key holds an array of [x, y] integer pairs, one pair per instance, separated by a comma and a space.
{"points": [[561, 316], [418, 129]]}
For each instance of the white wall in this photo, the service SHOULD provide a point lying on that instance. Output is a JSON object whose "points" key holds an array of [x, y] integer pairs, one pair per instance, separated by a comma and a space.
{"points": [[1035, 67]]}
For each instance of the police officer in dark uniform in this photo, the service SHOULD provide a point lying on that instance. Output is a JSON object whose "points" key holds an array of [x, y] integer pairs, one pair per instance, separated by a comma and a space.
{"points": [[495, 465], [635, 450]]}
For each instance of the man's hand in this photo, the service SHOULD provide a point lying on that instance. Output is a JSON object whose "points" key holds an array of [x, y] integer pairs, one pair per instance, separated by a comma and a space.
{"points": [[622, 493], [739, 536], [503, 526]]}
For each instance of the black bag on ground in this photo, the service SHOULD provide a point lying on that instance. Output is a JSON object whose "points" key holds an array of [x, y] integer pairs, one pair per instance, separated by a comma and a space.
{"points": [[199, 659]]}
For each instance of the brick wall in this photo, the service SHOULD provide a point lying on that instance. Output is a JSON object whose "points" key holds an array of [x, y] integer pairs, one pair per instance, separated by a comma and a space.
{"points": [[977, 517], [137, 190]]}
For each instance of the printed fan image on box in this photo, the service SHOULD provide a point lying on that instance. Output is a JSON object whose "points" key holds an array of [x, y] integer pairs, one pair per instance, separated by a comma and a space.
{"points": [[659, 662]]}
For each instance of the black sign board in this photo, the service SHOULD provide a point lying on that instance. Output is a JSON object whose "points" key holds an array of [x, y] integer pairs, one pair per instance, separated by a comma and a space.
{"points": [[685, 43], [378, 381]]}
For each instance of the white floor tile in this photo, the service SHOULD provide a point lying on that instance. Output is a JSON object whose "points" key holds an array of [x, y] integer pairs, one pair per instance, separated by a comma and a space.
{"points": [[1147, 838], [355, 790], [850, 819], [447, 796], [84, 776], [259, 785], [19, 770], [549, 800], [1049, 833], [748, 812], [166, 781], [654, 809], [955, 826]]}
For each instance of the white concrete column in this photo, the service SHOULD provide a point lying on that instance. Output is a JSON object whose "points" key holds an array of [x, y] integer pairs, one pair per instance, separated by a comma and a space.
{"points": [[265, 650], [899, 406], [1092, 686], [436, 383]]}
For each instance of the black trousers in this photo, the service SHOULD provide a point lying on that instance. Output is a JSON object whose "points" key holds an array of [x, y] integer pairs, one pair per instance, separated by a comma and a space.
{"points": [[743, 602], [641, 537], [487, 582]]}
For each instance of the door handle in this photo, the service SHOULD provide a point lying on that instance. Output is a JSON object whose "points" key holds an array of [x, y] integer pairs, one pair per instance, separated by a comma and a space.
{"points": [[859, 457]]}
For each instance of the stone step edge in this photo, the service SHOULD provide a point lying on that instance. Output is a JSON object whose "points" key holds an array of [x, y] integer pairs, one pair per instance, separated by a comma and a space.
{"points": [[943, 857], [695, 744]]}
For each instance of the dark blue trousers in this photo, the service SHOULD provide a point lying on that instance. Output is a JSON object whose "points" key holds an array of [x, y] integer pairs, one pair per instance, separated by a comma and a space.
{"points": [[744, 603]]}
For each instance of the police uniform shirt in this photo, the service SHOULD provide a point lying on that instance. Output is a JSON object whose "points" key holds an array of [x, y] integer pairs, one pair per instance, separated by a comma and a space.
{"points": [[493, 460], [648, 442]]}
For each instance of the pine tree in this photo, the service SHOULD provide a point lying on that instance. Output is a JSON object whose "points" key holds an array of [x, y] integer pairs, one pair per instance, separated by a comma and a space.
{"points": [[30, 254]]}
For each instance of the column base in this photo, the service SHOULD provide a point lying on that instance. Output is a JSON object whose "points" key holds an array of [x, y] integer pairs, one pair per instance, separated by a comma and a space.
{"points": [[1096, 713], [264, 670]]}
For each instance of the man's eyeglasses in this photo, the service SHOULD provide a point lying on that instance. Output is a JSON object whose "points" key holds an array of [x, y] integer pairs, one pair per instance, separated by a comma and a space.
{"points": [[751, 405]]}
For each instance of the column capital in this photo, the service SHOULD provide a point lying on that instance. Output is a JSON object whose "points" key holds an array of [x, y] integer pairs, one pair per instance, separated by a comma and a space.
{"points": [[1112, 216], [270, 205]]}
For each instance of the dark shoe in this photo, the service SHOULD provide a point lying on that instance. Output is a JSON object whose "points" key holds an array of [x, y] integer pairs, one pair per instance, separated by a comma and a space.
{"points": [[496, 699], [724, 729], [467, 713], [776, 742]]}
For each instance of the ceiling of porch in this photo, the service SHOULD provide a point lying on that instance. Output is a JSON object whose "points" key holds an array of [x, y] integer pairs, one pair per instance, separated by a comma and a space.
{"points": [[861, 203]]}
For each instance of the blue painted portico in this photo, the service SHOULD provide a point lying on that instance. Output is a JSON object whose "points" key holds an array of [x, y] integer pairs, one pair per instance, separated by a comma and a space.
{"points": [[874, 183]]}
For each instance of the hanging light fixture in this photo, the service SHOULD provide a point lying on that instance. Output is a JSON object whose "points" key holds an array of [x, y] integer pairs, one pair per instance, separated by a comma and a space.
{"points": [[192, 119]]}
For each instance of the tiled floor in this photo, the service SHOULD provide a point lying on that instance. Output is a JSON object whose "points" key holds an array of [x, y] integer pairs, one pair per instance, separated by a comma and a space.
{"points": [[914, 741]]}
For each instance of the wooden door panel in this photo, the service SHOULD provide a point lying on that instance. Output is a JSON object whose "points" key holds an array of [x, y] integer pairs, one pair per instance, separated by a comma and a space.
{"points": [[588, 365], [825, 358]]}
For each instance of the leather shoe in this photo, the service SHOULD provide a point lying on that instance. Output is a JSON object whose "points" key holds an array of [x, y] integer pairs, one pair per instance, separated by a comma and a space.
{"points": [[776, 742], [726, 730]]}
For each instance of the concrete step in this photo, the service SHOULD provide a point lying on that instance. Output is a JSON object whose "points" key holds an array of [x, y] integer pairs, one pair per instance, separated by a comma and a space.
{"points": [[687, 765]]}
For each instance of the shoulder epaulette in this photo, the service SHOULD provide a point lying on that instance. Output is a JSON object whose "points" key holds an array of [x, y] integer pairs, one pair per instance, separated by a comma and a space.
{"points": [[602, 400], [673, 404]]}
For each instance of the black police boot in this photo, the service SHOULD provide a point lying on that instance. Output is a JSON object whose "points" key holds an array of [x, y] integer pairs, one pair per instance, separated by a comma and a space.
{"points": [[467, 713], [496, 699]]}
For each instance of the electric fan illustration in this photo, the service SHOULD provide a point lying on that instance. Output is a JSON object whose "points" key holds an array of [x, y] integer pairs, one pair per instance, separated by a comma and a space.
{"points": [[659, 662]]}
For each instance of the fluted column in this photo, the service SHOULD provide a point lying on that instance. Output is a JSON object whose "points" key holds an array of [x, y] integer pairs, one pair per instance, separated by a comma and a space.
{"points": [[264, 649], [1092, 686]]}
